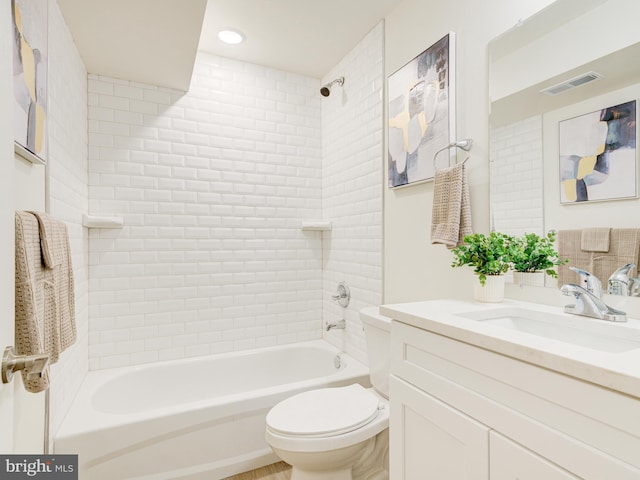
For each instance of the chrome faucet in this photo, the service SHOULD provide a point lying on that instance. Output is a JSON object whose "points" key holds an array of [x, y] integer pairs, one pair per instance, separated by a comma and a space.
{"points": [[589, 282], [588, 305], [620, 283], [339, 324]]}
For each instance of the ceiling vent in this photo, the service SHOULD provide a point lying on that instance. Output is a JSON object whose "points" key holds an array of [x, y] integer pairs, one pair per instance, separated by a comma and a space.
{"points": [[572, 83]]}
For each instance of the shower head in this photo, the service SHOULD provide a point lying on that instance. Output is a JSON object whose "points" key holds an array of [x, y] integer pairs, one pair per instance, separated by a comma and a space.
{"points": [[325, 91]]}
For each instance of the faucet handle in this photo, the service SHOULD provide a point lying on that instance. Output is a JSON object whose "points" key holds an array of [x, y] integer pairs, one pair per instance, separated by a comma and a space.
{"points": [[589, 282]]}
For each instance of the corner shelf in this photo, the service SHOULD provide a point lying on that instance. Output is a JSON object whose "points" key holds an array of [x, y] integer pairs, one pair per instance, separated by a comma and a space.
{"points": [[99, 221], [316, 225]]}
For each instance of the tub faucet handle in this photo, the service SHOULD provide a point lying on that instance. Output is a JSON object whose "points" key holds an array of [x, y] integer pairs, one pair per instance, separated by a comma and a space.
{"points": [[343, 295]]}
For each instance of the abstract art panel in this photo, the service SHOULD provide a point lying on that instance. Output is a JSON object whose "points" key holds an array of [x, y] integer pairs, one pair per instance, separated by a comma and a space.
{"points": [[30, 74], [598, 155], [421, 113]]}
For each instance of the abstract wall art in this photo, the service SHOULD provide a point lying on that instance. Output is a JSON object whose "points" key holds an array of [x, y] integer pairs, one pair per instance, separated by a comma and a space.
{"points": [[30, 75], [598, 155], [421, 113]]}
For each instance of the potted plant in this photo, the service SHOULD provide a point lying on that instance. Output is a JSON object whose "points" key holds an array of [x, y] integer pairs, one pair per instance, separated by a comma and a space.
{"points": [[533, 256], [490, 257]]}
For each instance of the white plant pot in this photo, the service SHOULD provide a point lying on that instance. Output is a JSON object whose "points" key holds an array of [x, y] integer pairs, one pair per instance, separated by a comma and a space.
{"points": [[492, 291], [535, 279]]}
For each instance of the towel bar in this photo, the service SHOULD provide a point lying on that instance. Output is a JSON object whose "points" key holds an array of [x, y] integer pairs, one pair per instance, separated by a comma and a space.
{"points": [[464, 144]]}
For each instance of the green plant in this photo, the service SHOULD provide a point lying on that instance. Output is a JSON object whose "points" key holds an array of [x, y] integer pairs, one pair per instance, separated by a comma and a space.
{"points": [[486, 254], [533, 253]]}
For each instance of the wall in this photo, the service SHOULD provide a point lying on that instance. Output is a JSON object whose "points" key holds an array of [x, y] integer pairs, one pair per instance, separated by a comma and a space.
{"points": [[68, 196], [213, 185], [413, 268], [352, 188], [7, 222]]}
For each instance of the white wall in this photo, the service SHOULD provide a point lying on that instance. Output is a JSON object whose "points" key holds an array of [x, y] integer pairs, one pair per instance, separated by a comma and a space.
{"points": [[352, 155], [68, 196], [213, 185], [413, 268]]}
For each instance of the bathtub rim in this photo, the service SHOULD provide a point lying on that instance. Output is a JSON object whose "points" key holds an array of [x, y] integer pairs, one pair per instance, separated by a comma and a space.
{"points": [[74, 422]]}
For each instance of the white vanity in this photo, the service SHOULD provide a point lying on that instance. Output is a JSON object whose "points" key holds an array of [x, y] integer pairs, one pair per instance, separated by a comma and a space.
{"points": [[513, 391]]}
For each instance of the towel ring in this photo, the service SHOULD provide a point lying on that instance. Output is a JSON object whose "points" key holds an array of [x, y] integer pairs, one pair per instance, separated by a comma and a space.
{"points": [[464, 144]]}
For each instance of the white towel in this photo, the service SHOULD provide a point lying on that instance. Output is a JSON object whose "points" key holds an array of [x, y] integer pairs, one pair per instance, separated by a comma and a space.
{"points": [[451, 214]]}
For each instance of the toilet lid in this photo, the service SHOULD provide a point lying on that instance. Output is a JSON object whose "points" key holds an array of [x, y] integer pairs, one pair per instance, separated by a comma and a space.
{"points": [[324, 412]]}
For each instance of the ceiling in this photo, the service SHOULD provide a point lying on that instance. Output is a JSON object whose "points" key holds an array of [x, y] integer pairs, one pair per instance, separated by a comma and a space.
{"points": [[155, 41]]}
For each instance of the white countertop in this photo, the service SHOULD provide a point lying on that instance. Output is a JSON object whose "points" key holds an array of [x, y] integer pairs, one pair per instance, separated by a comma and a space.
{"points": [[618, 371]]}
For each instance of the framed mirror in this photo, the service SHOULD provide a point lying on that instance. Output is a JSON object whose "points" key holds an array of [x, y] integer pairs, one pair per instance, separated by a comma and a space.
{"points": [[573, 58]]}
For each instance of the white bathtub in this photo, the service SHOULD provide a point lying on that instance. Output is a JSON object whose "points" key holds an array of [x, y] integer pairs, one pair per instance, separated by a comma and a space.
{"points": [[200, 418]]}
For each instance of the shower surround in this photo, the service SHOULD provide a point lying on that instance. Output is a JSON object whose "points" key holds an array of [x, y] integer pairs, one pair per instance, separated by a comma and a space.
{"points": [[213, 185]]}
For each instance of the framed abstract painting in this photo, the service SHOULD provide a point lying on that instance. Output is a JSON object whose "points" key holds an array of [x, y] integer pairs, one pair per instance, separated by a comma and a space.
{"points": [[598, 155], [30, 45], [421, 113]]}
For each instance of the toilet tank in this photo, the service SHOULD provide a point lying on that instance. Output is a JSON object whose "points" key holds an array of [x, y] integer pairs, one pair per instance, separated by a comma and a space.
{"points": [[377, 331]]}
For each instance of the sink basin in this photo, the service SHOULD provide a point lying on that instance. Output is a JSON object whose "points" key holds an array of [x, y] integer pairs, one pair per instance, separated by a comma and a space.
{"points": [[580, 331]]}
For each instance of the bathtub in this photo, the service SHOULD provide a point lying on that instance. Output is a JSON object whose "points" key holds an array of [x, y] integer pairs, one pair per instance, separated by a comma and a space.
{"points": [[200, 418]]}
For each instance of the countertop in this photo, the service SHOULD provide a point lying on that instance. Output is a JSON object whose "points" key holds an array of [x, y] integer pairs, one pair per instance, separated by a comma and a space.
{"points": [[618, 371]]}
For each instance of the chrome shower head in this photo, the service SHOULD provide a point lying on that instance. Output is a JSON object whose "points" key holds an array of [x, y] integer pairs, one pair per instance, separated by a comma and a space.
{"points": [[325, 91]]}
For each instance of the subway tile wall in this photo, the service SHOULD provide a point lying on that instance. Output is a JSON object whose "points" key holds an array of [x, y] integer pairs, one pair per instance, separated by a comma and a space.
{"points": [[212, 185], [516, 191], [352, 156], [68, 196]]}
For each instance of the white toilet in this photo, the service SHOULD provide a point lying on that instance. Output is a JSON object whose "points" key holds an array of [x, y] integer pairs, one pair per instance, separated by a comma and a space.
{"points": [[339, 433]]}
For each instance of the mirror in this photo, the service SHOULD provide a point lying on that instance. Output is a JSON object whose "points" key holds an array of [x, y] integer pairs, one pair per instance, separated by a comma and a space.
{"points": [[570, 59]]}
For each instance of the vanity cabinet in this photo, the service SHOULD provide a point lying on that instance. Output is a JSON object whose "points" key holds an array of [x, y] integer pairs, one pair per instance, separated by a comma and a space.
{"points": [[460, 411]]}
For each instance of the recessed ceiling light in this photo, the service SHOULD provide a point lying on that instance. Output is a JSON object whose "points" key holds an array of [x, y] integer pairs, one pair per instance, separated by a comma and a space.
{"points": [[231, 36]]}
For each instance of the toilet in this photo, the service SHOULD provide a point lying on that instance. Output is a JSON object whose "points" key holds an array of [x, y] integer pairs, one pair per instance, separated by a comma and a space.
{"points": [[339, 433]]}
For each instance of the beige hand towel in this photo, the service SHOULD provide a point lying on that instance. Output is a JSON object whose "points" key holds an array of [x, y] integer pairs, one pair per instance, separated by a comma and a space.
{"points": [[56, 253], [451, 213], [31, 329], [595, 239], [624, 248], [569, 247], [44, 296]]}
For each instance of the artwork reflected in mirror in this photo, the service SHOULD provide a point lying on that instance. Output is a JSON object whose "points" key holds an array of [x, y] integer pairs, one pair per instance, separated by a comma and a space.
{"points": [[598, 155]]}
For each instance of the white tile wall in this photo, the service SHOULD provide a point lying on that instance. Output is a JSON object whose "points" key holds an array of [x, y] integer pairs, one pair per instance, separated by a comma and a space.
{"points": [[516, 177], [352, 178], [212, 185], [68, 196]]}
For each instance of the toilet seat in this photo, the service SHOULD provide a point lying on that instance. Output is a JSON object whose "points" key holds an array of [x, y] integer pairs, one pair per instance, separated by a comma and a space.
{"points": [[324, 412]]}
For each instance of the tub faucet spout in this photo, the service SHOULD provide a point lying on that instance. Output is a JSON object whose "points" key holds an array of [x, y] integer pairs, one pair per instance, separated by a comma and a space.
{"points": [[340, 324]]}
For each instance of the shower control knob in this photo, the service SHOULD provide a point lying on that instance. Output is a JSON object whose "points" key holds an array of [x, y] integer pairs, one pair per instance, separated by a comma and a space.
{"points": [[343, 295]]}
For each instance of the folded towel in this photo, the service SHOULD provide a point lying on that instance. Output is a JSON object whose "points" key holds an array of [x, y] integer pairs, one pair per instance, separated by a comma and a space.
{"points": [[451, 213], [595, 239], [624, 248], [570, 248], [44, 307]]}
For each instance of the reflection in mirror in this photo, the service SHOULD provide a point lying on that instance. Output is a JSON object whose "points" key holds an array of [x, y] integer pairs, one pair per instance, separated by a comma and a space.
{"points": [[571, 58]]}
